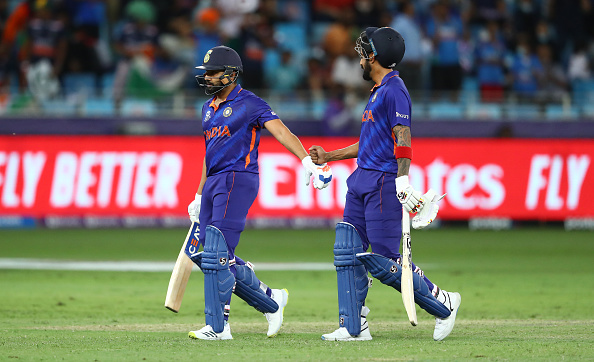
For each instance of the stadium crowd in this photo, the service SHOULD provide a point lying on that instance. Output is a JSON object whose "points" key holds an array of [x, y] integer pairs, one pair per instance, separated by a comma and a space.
{"points": [[536, 51]]}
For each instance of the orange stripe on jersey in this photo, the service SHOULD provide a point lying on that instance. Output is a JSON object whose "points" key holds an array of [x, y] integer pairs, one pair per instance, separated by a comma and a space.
{"points": [[229, 195], [252, 144], [395, 143]]}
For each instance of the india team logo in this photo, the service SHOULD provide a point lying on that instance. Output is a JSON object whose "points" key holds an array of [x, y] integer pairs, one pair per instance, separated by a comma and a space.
{"points": [[374, 97], [207, 56], [227, 112]]}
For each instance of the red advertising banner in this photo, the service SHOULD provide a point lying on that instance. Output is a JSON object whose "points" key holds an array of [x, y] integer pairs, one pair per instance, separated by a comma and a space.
{"points": [[158, 176]]}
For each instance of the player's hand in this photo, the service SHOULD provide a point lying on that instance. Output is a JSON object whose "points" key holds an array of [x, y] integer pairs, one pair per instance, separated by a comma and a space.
{"points": [[318, 155], [322, 174], [194, 208], [411, 200], [429, 212]]}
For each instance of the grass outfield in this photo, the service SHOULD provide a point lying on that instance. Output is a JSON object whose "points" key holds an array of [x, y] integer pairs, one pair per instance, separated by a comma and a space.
{"points": [[526, 295]]}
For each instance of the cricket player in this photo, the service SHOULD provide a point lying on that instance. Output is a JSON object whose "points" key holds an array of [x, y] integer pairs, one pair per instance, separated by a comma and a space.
{"points": [[232, 121], [378, 193]]}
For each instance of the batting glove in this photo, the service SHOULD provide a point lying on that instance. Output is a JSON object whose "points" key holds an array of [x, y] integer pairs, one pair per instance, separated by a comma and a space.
{"points": [[429, 212], [411, 200], [194, 208], [322, 174]]}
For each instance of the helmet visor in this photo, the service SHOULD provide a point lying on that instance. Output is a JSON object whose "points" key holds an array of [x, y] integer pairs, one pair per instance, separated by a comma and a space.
{"points": [[363, 47]]}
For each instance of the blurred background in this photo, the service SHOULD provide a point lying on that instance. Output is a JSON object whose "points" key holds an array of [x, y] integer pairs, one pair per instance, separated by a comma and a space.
{"points": [[502, 92]]}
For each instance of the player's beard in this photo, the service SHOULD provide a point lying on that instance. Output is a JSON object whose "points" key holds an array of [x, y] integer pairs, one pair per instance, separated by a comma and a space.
{"points": [[366, 70]]}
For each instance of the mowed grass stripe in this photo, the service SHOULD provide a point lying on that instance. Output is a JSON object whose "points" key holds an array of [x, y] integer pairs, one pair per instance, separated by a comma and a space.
{"points": [[137, 266]]}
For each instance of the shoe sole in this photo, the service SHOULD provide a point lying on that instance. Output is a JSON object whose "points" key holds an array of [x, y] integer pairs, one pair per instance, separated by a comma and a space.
{"points": [[194, 336]]}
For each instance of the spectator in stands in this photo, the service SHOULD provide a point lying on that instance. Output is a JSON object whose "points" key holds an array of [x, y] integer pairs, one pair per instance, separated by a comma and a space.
{"points": [[285, 78], [579, 67], [554, 85], [525, 71], [368, 13], [490, 53], [233, 13], [340, 35], [87, 52], [411, 67], [206, 32], [11, 53], [136, 38], [47, 43], [330, 10], [257, 34], [445, 30], [525, 17]]}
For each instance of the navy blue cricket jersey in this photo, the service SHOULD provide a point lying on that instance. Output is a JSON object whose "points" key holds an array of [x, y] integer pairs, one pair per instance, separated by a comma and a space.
{"points": [[389, 105], [232, 131]]}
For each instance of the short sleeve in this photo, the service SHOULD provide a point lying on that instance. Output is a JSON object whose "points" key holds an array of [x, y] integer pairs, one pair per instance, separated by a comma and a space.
{"points": [[398, 107], [262, 112]]}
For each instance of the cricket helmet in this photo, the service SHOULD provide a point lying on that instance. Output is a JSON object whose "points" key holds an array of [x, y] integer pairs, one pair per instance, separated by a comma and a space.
{"points": [[220, 58], [385, 44]]}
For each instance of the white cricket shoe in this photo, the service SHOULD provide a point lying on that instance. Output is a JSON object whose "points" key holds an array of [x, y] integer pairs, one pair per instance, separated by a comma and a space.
{"points": [[341, 334], [208, 334], [275, 320], [443, 327]]}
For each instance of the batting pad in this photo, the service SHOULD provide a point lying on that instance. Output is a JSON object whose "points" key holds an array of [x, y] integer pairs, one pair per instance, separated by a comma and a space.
{"points": [[218, 279], [351, 276], [249, 288], [389, 272]]}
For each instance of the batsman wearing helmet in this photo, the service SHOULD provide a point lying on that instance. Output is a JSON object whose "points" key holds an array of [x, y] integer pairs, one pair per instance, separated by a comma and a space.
{"points": [[378, 193], [232, 120]]}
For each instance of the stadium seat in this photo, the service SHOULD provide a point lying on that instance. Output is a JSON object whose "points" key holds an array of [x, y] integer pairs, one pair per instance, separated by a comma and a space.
{"points": [[99, 106], [484, 111], [138, 107], [522, 111], [78, 83], [557, 111], [446, 111], [58, 107]]}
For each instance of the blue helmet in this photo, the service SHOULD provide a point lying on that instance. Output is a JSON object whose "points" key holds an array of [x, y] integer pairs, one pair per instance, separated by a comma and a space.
{"points": [[385, 44], [220, 58]]}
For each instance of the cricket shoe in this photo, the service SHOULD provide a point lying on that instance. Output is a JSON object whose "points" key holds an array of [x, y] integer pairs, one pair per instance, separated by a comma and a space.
{"points": [[208, 334], [443, 327], [342, 334], [275, 320]]}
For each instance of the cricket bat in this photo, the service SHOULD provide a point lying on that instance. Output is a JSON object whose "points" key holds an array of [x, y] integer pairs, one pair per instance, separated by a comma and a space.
{"points": [[181, 270], [406, 286]]}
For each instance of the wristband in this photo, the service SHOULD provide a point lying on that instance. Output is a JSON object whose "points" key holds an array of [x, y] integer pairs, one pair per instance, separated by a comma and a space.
{"points": [[404, 152]]}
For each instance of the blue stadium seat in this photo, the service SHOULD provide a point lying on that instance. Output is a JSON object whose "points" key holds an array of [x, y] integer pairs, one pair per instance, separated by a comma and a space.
{"points": [[138, 107], [484, 111], [446, 111], [522, 111], [557, 111], [99, 106], [77, 83], [107, 85], [58, 107]]}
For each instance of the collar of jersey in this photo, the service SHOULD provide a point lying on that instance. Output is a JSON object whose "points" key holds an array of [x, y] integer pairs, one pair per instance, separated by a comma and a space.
{"points": [[230, 97], [387, 77]]}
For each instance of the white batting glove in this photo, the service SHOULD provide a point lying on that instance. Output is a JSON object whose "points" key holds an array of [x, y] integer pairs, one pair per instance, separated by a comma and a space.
{"points": [[322, 174], [411, 200], [194, 208], [429, 212]]}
